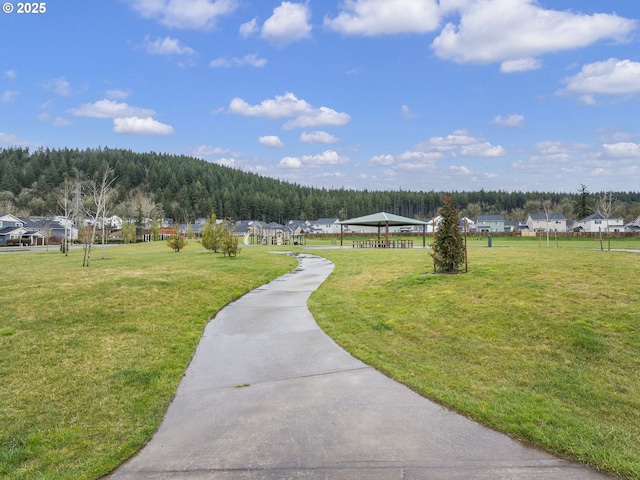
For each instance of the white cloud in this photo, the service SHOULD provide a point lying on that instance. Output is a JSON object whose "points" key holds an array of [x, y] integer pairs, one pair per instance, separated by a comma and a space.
{"points": [[514, 32], [462, 170], [226, 162], [509, 121], [288, 105], [328, 157], [484, 149], [11, 140], [117, 94], [141, 126], [11, 74], [289, 23], [249, 28], [379, 17], [167, 46], [8, 95], [271, 141], [382, 160], [611, 77], [520, 65], [110, 109], [622, 150], [186, 14], [425, 155], [290, 162], [406, 112], [251, 60], [451, 142], [59, 86], [318, 137], [207, 151], [413, 156], [318, 117], [61, 122]]}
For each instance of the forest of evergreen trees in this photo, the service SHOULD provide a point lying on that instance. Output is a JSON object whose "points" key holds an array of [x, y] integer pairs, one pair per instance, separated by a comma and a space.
{"points": [[187, 188]]}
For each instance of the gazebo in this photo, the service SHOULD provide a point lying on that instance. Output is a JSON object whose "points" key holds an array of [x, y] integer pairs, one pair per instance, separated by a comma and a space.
{"points": [[385, 220]]}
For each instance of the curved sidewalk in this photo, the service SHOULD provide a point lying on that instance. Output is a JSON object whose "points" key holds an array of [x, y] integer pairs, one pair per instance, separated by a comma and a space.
{"points": [[268, 395]]}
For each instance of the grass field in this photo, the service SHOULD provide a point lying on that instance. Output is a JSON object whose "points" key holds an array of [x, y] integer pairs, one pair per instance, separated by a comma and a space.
{"points": [[541, 342], [92, 357]]}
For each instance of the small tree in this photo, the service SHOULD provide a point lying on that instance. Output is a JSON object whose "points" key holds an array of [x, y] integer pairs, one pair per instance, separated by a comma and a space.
{"points": [[155, 230], [606, 207], [229, 242], [448, 244], [210, 234], [176, 241], [129, 232]]}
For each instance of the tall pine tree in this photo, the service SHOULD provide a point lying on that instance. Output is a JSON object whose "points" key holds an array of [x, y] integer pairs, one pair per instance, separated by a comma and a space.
{"points": [[448, 244]]}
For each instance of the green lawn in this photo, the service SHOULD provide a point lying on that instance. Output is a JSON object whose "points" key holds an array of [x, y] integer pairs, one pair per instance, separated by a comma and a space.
{"points": [[92, 357], [540, 342]]}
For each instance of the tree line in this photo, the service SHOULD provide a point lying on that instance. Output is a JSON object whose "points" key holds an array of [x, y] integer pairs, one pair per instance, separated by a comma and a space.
{"points": [[158, 185]]}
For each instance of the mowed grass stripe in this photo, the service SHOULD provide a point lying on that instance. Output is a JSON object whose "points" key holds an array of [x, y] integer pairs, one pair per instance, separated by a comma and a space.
{"points": [[539, 342], [91, 357]]}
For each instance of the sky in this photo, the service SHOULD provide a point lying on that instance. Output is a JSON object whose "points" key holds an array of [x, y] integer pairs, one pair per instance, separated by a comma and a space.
{"points": [[418, 95]]}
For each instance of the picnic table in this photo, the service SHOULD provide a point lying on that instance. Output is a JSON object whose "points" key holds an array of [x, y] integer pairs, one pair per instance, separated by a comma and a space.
{"points": [[377, 243]]}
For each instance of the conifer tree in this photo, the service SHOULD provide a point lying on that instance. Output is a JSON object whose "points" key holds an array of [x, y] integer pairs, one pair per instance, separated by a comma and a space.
{"points": [[176, 241], [582, 208], [448, 244], [210, 234]]}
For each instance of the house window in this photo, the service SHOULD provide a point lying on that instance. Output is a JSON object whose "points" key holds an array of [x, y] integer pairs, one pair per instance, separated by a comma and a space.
{"points": [[598, 222]]}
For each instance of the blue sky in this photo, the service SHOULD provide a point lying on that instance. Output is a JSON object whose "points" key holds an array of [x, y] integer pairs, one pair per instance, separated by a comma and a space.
{"points": [[365, 94]]}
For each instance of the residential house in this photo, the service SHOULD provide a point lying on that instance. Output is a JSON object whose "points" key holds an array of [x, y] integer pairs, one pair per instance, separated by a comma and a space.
{"points": [[598, 222], [633, 226], [433, 224], [50, 230], [555, 222], [490, 223], [13, 232], [325, 225]]}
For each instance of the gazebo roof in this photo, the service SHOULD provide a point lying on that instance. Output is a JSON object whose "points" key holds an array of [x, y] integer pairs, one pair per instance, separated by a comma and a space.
{"points": [[381, 219]]}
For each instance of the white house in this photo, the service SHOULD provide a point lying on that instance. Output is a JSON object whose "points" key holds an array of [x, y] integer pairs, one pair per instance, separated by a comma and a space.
{"points": [[633, 226], [115, 222], [325, 225], [597, 222], [434, 223], [555, 222]]}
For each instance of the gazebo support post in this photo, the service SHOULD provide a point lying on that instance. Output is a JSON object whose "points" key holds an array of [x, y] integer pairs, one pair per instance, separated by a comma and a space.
{"points": [[341, 228], [386, 235], [424, 236]]}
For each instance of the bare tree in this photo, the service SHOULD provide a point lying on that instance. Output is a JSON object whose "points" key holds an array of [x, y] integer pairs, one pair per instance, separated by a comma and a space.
{"points": [[606, 206], [546, 206], [99, 192], [69, 204]]}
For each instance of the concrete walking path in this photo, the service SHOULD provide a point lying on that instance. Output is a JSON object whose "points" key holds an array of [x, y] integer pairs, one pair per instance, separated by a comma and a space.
{"points": [[268, 395]]}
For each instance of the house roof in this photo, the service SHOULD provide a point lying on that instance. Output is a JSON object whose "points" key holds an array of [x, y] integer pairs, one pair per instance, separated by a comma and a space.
{"points": [[381, 219], [8, 230], [599, 216], [552, 216], [325, 221], [489, 218]]}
